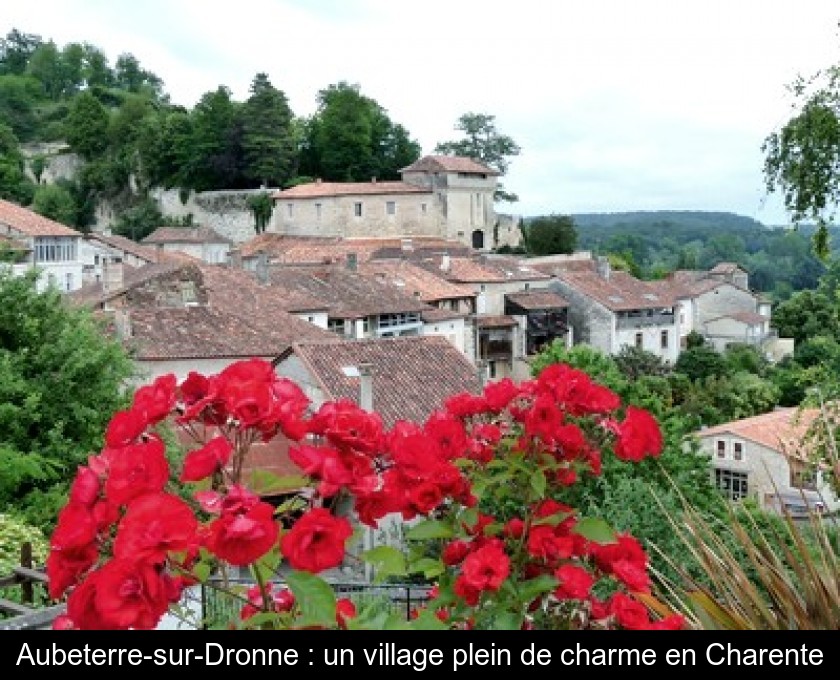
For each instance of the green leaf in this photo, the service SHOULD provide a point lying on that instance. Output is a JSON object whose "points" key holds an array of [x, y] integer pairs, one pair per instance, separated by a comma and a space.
{"points": [[596, 530], [538, 483], [426, 620], [533, 588], [506, 621], [429, 529], [267, 483], [386, 561], [427, 566], [265, 568], [315, 598]]}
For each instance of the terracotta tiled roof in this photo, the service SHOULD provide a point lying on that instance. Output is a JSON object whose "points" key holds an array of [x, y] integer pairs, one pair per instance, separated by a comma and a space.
{"points": [[214, 332], [436, 315], [30, 223], [414, 279], [412, 376], [125, 245], [483, 269], [502, 321], [449, 164], [538, 299], [620, 291], [348, 294], [781, 430], [725, 268], [746, 318], [329, 189], [185, 235], [325, 249], [93, 294]]}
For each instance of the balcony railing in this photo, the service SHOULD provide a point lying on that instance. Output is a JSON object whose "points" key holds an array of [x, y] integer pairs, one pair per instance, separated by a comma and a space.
{"points": [[644, 321]]}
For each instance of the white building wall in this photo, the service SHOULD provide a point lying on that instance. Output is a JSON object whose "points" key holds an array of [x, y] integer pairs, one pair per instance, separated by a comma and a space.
{"points": [[651, 341], [454, 330]]}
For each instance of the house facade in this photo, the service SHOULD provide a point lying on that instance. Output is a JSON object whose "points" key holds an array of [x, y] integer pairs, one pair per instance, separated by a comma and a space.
{"points": [[202, 243], [612, 309], [32, 241], [438, 196], [761, 457]]}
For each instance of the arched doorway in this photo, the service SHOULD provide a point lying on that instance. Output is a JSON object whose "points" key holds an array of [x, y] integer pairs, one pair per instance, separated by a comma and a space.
{"points": [[478, 239]]}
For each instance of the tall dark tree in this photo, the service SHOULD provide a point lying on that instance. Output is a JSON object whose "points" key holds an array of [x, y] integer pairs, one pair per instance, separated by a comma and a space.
{"points": [[131, 76], [96, 69], [164, 145], [550, 234], [19, 96], [216, 160], [268, 143], [87, 125], [14, 185], [351, 138], [483, 142]]}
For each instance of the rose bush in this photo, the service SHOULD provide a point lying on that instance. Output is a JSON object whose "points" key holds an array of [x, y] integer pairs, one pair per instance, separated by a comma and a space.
{"points": [[479, 487]]}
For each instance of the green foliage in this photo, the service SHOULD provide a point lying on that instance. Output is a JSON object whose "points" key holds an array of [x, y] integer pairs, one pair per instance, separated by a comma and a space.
{"points": [[61, 378], [261, 206], [14, 185], [550, 235], [806, 314], [216, 159], [268, 141], [55, 202], [86, 128], [351, 138], [14, 532], [483, 142], [140, 220], [700, 362], [802, 159], [635, 363]]}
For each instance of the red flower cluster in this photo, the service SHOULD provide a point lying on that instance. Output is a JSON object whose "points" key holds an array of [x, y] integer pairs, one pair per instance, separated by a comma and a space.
{"points": [[126, 544]]}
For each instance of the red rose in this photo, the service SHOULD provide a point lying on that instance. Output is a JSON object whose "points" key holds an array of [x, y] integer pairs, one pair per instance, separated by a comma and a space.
{"points": [[316, 541], [455, 552], [125, 428], [122, 595], [345, 609], [629, 613], [487, 567], [153, 526], [638, 436], [241, 539], [210, 458], [157, 400], [85, 488], [65, 567], [575, 582], [135, 470]]}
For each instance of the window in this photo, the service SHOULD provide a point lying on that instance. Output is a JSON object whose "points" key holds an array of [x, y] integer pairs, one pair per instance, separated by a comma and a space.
{"points": [[663, 340], [721, 448], [423, 208], [640, 340], [290, 209], [68, 281], [737, 451], [527, 286], [317, 211], [390, 208], [55, 249], [491, 366], [357, 209], [682, 319], [733, 485]]}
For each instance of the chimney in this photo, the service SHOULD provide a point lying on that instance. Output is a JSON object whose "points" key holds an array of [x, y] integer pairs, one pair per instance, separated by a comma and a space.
{"points": [[318, 181], [262, 267], [445, 262], [373, 180], [122, 324], [602, 266], [366, 386], [352, 261], [406, 245], [235, 258], [112, 274]]}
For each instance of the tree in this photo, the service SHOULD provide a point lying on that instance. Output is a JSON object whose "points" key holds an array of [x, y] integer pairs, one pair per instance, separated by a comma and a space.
{"points": [[55, 202], [139, 220], [261, 207], [700, 362], [806, 314], [802, 158], [61, 377], [268, 143], [87, 125], [14, 185], [484, 143], [350, 138], [216, 160], [551, 234], [130, 76], [15, 51]]}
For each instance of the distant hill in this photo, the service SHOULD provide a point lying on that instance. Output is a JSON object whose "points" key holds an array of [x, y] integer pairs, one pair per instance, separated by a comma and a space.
{"points": [[684, 219]]}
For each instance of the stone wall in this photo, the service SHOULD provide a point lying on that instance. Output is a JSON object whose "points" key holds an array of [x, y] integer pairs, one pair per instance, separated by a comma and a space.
{"points": [[226, 212], [60, 162]]}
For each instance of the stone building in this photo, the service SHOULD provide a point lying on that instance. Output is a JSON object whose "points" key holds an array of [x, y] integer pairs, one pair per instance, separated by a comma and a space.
{"points": [[438, 196]]}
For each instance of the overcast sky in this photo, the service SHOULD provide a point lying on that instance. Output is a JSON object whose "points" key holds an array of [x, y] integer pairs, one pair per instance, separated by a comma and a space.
{"points": [[617, 104]]}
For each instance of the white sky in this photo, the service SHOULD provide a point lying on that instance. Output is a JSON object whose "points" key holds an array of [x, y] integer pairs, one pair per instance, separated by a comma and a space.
{"points": [[617, 104]]}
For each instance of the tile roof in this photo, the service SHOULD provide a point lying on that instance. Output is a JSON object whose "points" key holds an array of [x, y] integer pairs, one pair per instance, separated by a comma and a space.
{"points": [[348, 294], [125, 244], [620, 292], [436, 315], [30, 223], [746, 318], [483, 269], [200, 332], [441, 163], [413, 279], [503, 321], [725, 268], [93, 294], [412, 375], [323, 249], [538, 299], [782, 430], [330, 189], [185, 235]]}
